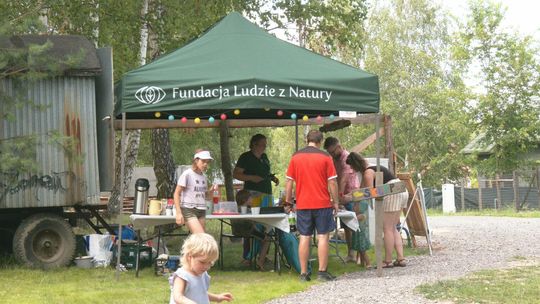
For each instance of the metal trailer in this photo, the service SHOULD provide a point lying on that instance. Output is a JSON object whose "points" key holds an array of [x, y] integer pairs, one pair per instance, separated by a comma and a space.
{"points": [[38, 209]]}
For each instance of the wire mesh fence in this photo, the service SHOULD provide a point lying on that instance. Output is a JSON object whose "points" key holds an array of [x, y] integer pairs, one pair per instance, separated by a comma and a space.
{"points": [[487, 198]]}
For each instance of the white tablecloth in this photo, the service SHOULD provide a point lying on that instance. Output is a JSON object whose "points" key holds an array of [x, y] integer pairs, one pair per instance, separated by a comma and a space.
{"points": [[349, 219], [277, 220]]}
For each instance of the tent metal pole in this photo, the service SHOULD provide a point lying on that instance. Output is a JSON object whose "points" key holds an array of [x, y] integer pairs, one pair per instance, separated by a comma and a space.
{"points": [[122, 169]]}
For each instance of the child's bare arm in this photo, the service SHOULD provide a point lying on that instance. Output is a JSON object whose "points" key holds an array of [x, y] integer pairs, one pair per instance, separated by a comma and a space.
{"points": [[179, 287], [177, 198], [226, 296]]}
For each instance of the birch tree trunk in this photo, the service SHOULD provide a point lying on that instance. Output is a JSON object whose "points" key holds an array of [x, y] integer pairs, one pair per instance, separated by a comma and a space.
{"points": [[133, 137], [164, 166], [132, 149], [94, 16], [144, 33]]}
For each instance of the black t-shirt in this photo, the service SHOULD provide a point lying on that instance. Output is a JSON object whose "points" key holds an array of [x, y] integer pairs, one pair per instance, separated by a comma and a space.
{"points": [[256, 166], [387, 175]]}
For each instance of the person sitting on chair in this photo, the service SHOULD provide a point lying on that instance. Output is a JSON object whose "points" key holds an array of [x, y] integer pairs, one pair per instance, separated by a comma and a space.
{"points": [[247, 229]]}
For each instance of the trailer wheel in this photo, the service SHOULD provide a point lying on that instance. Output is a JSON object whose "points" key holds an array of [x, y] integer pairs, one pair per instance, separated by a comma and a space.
{"points": [[44, 241]]}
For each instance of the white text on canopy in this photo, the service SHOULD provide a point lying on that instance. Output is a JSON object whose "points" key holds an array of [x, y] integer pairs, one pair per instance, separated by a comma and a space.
{"points": [[253, 91]]}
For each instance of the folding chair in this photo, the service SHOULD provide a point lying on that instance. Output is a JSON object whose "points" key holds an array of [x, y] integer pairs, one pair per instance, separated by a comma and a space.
{"points": [[223, 235]]}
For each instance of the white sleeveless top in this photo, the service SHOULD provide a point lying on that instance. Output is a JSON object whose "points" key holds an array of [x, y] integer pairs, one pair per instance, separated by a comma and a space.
{"points": [[196, 286]]}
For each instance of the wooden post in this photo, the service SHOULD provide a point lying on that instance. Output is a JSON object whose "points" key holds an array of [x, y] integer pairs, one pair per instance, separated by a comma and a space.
{"points": [[389, 147], [462, 196], [538, 183], [498, 186], [480, 204], [516, 190], [378, 203], [226, 159], [379, 225], [296, 135]]}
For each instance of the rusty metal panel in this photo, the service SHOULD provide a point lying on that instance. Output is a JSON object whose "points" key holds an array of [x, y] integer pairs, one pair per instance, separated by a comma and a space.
{"points": [[66, 153]]}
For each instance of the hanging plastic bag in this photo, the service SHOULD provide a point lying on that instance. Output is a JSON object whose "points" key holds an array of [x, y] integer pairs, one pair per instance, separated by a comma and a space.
{"points": [[99, 246]]}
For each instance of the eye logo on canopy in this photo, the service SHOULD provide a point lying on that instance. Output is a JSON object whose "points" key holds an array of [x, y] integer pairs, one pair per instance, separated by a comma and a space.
{"points": [[150, 95]]}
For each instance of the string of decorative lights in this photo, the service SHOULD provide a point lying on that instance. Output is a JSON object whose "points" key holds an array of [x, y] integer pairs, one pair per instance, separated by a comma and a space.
{"points": [[236, 112]]}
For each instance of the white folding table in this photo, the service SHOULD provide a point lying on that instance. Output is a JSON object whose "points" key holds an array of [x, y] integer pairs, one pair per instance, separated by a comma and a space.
{"points": [[276, 220]]}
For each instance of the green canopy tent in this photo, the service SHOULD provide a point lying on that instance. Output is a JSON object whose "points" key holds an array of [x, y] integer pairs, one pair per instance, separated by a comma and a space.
{"points": [[238, 69], [237, 65]]}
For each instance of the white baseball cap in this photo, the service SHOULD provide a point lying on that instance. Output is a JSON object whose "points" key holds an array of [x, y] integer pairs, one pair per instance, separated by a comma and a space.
{"points": [[202, 155]]}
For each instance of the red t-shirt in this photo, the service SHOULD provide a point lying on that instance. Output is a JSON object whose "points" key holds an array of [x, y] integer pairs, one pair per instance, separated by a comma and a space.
{"points": [[311, 169]]}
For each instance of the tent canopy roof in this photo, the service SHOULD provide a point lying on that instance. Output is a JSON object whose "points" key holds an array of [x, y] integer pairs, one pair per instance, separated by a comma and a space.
{"points": [[237, 65]]}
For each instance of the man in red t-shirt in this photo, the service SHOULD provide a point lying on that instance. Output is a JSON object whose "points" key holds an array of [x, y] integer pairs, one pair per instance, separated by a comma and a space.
{"points": [[313, 172]]}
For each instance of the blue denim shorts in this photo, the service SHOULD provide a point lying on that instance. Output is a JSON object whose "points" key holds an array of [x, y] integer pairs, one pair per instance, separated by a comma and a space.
{"points": [[309, 219]]}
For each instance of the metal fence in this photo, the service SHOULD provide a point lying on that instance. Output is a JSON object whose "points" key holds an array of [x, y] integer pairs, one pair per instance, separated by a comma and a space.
{"points": [[528, 198], [469, 199]]}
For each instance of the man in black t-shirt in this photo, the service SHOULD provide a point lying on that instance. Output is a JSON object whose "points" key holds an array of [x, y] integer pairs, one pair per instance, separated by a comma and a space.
{"points": [[253, 167]]}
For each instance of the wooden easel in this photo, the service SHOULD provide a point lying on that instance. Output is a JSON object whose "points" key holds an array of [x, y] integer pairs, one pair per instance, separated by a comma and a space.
{"points": [[415, 215]]}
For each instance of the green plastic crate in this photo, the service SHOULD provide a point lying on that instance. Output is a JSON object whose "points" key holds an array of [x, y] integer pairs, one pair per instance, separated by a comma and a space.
{"points": [[128, 257]]}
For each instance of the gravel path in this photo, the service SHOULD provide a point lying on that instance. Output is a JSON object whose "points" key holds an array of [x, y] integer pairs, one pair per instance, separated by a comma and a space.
{"points": [[462, 245]]}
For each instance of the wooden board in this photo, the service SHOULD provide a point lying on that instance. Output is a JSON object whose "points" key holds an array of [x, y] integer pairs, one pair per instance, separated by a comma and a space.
{"points": [[377, 192], [415, 220]]}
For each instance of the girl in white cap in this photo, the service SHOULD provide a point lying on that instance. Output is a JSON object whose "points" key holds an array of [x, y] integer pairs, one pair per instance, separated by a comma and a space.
{"points": [[190, 193]]}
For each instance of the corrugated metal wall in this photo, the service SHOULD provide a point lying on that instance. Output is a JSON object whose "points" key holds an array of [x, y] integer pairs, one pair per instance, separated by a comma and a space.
{"points": [[65, 177]]}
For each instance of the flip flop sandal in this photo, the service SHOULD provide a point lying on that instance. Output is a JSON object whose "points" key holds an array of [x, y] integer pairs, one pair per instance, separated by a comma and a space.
{"points": [[400, 263], [388, 264]]}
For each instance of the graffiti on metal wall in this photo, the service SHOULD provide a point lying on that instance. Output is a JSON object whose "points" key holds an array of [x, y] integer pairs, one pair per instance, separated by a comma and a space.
{"points": [[13, 183]]}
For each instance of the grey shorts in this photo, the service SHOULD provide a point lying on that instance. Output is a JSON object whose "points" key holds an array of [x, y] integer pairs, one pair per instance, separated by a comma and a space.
{"points": [[188, 213]]}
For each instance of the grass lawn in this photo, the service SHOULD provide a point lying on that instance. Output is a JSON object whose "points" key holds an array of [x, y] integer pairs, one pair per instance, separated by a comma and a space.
{"points": [[99, 285], [515, 285]]}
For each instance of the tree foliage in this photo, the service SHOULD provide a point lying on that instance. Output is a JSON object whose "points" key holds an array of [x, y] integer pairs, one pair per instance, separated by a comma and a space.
{"points": [[408, 43], [331, 28], [408, 47], [507, 110]]}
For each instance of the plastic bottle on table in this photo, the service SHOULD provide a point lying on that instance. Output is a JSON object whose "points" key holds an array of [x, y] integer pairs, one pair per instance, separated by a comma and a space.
{"points": [[292, 220], [215, 194], [170, 207]]}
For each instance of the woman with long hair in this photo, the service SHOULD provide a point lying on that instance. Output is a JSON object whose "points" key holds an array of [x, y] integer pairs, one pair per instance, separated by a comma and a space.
{"points": [[392, 206]]}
